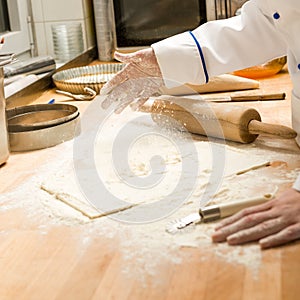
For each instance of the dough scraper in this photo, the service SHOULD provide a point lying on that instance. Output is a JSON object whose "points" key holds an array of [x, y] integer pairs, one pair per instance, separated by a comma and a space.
{"points": [[214, 212]]}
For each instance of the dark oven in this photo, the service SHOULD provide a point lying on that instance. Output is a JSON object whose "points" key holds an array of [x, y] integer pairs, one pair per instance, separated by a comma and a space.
{"points": [[131, 24], [143, 22]]}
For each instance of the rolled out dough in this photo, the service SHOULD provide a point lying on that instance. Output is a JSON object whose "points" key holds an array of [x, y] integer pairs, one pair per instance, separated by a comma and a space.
{"points": [[84, 207], [64, 187]]}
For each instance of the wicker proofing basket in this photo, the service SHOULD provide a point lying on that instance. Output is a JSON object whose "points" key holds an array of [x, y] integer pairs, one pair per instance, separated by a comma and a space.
{"points": [[76, 79]]}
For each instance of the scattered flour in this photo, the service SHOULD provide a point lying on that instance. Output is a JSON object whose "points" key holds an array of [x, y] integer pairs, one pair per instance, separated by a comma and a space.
{"points": [[145, 246]]}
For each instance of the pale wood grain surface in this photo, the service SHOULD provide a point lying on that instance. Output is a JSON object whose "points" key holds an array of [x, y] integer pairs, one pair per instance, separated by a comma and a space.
{"points": [[59, 264]]}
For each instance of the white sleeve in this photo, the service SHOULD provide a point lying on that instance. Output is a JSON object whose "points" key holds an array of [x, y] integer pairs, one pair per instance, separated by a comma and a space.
{"points": [[219, 47]]}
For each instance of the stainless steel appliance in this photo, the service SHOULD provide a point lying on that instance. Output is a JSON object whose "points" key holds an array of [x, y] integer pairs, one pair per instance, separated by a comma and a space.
{"points": [[222, 9], [132, 24], [4, 145]]}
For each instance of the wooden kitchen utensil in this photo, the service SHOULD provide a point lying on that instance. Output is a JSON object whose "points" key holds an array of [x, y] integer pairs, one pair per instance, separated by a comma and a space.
{"points": [[220, 120], [246, 98], [214, 212], [220, 83]]}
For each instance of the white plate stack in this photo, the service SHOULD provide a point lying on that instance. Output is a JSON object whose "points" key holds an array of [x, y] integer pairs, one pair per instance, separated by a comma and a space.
{"points": [[67, 41]]}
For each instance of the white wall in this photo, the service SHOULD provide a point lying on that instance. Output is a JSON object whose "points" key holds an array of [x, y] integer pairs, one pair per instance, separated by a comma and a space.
{"points": [[48, 12]]}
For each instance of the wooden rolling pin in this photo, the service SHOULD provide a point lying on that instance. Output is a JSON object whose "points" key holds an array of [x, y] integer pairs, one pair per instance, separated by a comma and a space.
{"points": [[232, 122]]}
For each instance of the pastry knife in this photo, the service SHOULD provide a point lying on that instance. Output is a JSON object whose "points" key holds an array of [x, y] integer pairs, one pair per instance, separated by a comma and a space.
{"points": [[214, 212]]}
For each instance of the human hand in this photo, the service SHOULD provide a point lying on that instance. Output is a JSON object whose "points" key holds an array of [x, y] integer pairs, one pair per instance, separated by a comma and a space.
{"points": [[137, 81], [273, 223]]}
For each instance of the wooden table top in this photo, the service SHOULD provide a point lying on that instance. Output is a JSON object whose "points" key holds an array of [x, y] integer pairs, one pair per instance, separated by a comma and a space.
{"points": [[42, 259]]}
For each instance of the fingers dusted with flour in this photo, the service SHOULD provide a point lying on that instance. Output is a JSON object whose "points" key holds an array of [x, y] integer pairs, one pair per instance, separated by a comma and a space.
{"points": [[144, 60], [273, 223], [138, 64], [133, 92], [139, 79]]}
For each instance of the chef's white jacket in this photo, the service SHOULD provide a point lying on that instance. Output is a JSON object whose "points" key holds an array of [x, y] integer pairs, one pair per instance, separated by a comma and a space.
{"points": [[266, 29]]}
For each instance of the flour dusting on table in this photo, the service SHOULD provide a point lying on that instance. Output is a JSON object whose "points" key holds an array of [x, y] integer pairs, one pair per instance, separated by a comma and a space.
{"points": [[146, 246]]}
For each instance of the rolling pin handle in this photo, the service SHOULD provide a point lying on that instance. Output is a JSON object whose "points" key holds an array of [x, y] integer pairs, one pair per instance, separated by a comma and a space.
{"points": [[284, 132]]}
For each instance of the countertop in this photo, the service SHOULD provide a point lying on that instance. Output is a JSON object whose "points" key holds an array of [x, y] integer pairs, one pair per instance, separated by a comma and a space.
{"points": [[45, 257]]}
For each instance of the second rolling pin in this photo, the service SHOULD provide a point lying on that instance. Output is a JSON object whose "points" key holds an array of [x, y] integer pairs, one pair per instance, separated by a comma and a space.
{"points": [[220, 120]]}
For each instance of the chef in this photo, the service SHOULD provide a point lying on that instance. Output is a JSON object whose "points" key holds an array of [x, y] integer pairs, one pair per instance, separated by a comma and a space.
{"points": [[265, 29]]}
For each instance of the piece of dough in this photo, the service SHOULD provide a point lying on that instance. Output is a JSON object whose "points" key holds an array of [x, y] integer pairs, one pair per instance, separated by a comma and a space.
{"points": [[84, 207], [213, 162], [67, 193], [221, 83], [254, 167]]}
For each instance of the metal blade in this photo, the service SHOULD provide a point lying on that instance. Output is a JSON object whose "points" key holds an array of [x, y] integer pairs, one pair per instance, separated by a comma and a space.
{"points": [[179, 224]]}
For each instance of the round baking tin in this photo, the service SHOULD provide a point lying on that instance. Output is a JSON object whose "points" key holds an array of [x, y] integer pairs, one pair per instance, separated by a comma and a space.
{"points": [[41, 126], [32, 117], [74, 80]]}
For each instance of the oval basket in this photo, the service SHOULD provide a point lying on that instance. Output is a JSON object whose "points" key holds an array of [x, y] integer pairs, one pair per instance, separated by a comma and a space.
{"points": [[74, 80]]}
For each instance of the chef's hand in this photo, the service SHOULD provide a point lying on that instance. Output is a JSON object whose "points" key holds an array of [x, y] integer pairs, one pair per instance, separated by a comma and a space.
{"points": [[273, 223], [137, 81]]}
